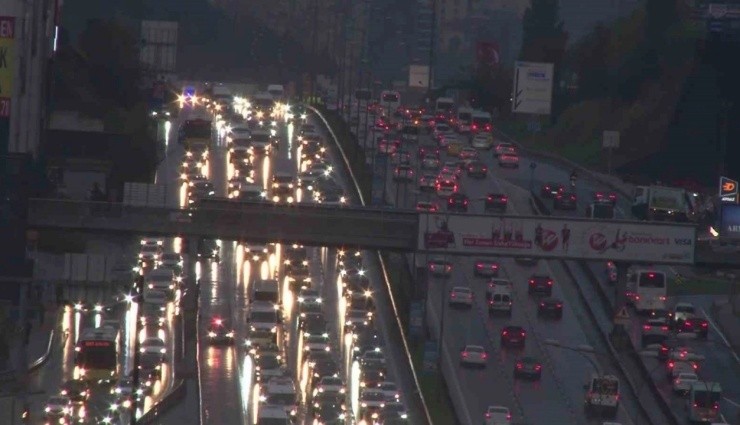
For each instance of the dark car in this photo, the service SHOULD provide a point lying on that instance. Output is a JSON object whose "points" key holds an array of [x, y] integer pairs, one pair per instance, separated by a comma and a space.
{"points": [[457, 202], [513, 336], [695, 324], [477, 169], [529, 368], [496, 202], [609, 197], [551, 190], [565, 201], [314, 324], [371, 376], [150, 366], [540, 284], [304, 309], [329, 412], [219, 332], [365, 340], [428, 149], [325, 367], [208, 248], [77, 390], [550, 307], [486, 268]]}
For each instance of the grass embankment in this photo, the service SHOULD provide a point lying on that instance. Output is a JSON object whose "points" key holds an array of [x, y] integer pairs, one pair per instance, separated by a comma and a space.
{"points": [[700, 285]]}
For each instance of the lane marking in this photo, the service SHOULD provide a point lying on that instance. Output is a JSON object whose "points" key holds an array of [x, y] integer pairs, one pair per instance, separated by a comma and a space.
{"points": [[721, 335]]}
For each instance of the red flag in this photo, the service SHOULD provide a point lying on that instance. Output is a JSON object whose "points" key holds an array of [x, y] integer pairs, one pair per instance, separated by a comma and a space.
{"points": [[487, 54]]}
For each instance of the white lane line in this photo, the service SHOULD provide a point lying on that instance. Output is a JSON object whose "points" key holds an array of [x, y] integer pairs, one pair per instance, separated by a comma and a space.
{"points": [[721, 335]]}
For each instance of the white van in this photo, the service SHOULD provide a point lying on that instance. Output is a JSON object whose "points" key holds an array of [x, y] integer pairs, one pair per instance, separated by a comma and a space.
{"points": [[276, 91], [464, 120], [499, 299]]}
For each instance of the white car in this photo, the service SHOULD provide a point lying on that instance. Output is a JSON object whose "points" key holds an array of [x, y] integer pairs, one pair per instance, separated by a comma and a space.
{"points": [[240, 133], [654, 329], [372, 399], [316, 343], [682, 383], [373, 357], [473, 355], [486, 268], [440, 267], [309, 296], [153, 345], [482, 141], [390, 390], [461, 295], [676, 368], [497, 415], [358, 318], [331, 384]]}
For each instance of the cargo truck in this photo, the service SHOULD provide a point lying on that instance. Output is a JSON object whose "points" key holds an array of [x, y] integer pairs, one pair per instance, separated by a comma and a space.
{"points": [[660, 203]]}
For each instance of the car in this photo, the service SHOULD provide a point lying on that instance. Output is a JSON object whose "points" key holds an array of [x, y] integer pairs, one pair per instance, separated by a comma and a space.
{"points": [[468, 154], [497, 415], [430, 161], [373, 357], [427, 182], [611, 272], [372, 375], [425, 150], [495, 203], [390, 390], [372, 399], [401, 157], [219, 332], [482, 141], [610, 197], [316, 343], [551, 190], [314, 324], [550, 307], [654, 330], [508, 160], [77, 390], [322, 367], [682, 383], [486, 268], [403, 173], [394, 412], [528, 368], [268, 365], [540, 284], [457, 202], [388, 147], [513, 336], [153, 345], [358, 318], [307, 295], [684, 353], [503, 147], [425, 206], [454, 166], [150, 367], [446, 187], [365, 340], [499, 299], [58, 407], [696, 325], [328, 412], [565, 201], [526, 261], [473, 355], [477, 169], [439, 267], [331, 385], [461, 296], [676, 367]]}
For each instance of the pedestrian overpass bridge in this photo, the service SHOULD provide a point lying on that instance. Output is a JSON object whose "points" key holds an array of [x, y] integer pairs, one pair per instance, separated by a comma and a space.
{"points": [[312, 224]]}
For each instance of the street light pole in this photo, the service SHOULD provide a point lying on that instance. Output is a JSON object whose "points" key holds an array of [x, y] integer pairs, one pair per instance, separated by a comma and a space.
{"points": [[432, 42]]}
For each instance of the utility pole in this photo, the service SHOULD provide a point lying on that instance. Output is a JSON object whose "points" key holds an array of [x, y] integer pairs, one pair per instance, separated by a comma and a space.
{"points": [[432, 43], [314, 45]]}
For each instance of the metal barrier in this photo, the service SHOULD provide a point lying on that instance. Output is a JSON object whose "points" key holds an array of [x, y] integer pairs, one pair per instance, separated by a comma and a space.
{"points": [[404, 340], [227, 220], [168, 401]]}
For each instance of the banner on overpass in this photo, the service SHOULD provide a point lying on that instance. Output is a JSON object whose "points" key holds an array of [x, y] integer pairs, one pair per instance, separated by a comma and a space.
{"points": [[550, 237]]}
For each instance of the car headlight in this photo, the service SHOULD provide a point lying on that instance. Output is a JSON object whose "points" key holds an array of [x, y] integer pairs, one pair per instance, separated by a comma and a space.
{"points": [[162, 350], [230, 334], [274, 329], [364, 404], [348, 323], [319, 300], [252, 328], [212, 334], [47, 409]]}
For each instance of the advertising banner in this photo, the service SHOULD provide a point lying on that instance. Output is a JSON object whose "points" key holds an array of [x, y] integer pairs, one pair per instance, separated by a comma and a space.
{"points": [[728, 190], [533, 82], [730, 222], [7, 65], [550, 237]]}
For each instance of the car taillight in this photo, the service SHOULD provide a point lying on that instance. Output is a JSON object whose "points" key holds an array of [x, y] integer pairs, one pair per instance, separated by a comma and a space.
{"points": [[646, 327], [695, 366], [484, 356], [508, 416], [504, 199], [523, 334], [558, 197], [479, 266], [519, 366], [538, 367], [465, 354], [687, 324], [488, 415], [573, 198], [549, 283], [542, 304], [664, 328], [559, 305], [452, 295], [465, 202], [662, 298], [531, 281], [670, 365], [716, 406], [504, 333], [488, 127], [704, 325]]}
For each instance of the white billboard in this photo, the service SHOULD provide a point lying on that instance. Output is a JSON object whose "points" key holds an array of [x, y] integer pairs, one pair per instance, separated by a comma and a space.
{"points": [[551, 237], [419, 76], [532, 92]]}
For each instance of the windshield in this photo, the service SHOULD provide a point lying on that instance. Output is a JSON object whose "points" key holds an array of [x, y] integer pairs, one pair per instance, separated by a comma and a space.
{"points": [[282, 179], [275, 92], [445, 106], [651, 280], [268, 362], [481, 120], [410, 130], [271, 296], [263, 103], [148, 360], [261, 138], [98, 355], [606, 387], [263, 317], [150, 248], [706, 399]]}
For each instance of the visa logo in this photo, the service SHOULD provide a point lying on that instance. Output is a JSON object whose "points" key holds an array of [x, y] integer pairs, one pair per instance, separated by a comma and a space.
{"points": [[682, 241]]}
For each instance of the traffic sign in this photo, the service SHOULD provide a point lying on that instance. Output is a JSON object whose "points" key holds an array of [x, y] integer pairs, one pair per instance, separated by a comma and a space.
{"points": [[622, 317], [728, 190], [610, 139]]}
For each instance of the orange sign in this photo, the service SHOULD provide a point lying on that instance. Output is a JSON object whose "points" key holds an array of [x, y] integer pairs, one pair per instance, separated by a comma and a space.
{"points": [[728, 190], [729, 187]]}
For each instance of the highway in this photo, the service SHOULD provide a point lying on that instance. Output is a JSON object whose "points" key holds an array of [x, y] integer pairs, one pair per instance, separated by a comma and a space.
{"points": [[560, 392]]}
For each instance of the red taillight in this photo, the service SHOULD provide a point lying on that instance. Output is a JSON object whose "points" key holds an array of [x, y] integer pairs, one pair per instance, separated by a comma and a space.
{"points": [[504, 333], [488, 127], [531, 281], [452, 295], [549, 283], [519, 366], [504, 199], [670, 365], [542, 304], [484, 356], [475, 126], [465, 354], [465, 202], [508, 416], [479, 266], [687, 324], [695, 366], [651, 275], [538, 367], [704, 325], [560, 306], [488, 415], [558, 197], [664, 328], [573, 198], [523, 334], [646, 327]]}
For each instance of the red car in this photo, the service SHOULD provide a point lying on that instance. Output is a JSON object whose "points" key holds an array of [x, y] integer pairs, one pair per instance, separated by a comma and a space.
{"points": [[513, 336]]}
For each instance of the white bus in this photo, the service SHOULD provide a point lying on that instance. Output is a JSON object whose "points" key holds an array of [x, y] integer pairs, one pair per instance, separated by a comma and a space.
{"points": [[482, 122], [390, 101], [96, 355], [703, 402], [444, 105], [647, 290]]}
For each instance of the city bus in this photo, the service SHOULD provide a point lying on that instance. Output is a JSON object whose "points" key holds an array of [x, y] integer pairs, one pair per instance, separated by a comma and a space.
{"points": [[703, 402], [647, 290], [96, 355]]}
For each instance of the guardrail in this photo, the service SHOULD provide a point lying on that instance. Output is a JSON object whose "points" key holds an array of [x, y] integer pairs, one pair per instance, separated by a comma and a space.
{"points": [[539, 207], [168, 401], [386, 278]]}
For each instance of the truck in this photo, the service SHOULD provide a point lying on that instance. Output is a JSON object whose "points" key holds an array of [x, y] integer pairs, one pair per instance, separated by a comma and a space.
{"points": [[703, 402], [660, 203], [602, 395]]}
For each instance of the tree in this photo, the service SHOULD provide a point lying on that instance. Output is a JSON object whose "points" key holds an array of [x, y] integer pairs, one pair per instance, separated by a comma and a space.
{"points": [[112, 54], [544, 38], [591, 64]]}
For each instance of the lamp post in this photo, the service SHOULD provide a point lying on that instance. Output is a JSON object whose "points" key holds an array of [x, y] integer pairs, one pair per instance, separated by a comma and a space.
{"points": [[432, 39]]}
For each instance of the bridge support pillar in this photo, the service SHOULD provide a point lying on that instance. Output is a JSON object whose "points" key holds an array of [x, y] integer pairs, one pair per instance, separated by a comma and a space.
{"points": [[620, 286]]}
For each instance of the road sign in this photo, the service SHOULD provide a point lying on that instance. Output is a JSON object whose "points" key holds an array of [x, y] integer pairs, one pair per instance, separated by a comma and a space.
{"points": [[622, 317], [728, 190], [532, 92], [418, 76], [610, 140]]}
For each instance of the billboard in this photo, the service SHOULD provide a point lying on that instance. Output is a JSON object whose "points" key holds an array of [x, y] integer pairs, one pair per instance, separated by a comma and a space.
{"points": [[419, 76], [551, 237], [728, 190], [730, 221], [7, 64], [532, 92]]}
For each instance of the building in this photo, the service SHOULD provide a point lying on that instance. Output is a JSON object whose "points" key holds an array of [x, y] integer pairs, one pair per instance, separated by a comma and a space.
{"points": [[23, 85]]}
